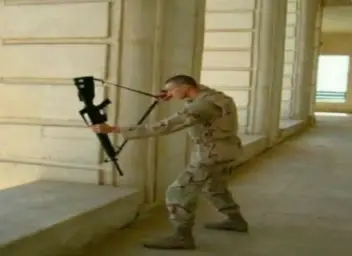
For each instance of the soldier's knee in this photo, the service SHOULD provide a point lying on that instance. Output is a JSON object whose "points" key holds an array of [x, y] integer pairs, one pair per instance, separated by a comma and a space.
{"points": [[205, 190], [208, 192], [172, 194], [214, 189]]}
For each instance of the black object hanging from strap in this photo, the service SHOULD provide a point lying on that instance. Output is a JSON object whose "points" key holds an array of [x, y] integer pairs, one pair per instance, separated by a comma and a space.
{"points": [[97, 114]]}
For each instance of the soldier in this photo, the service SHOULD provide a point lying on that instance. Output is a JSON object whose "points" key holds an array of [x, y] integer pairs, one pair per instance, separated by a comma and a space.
{"points": [[211, 117]]}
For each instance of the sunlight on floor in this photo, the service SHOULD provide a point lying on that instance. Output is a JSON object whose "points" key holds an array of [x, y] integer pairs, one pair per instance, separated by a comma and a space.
{"points": [[331, 114]]}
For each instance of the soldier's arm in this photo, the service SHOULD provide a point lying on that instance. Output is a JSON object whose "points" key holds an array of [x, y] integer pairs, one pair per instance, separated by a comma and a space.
{"points": [[189, 116]]}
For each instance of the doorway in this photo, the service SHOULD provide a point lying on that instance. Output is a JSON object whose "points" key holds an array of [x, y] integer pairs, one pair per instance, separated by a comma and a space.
{"points": [[332, 78]]}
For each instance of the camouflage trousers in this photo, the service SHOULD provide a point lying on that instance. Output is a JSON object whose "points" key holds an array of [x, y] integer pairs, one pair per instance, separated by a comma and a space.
{"points": [[209, 180]]}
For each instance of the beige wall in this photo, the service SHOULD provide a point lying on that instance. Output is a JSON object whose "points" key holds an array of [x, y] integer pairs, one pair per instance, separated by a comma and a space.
{"points": [[229, 48], [338, 44], [43, 46], [46, 43]]}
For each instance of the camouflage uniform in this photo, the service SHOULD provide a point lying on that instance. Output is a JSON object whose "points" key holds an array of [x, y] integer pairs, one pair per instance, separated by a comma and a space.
{"points": [[212, 121]]}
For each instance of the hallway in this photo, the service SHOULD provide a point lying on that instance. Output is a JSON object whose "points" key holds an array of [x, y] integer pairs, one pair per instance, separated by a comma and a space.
{"points": [[296, 197]]}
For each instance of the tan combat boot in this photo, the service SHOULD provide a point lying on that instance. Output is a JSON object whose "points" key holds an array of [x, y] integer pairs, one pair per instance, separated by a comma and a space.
{"points": [[234, 222], [182, 239]]}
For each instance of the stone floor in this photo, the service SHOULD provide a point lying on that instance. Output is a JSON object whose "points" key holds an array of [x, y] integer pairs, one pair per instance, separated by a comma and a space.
{"points": [[296, 197]]}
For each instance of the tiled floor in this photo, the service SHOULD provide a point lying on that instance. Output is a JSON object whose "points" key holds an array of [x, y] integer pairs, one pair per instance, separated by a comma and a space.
{"points": [[297, 199]]}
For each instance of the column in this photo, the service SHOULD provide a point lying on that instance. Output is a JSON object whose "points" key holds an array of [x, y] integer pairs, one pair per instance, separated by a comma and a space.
{"points": [[305, 59], [276, 86], [268, 82], [159, 39], [181, 53], [138, 67], [316, 52]]}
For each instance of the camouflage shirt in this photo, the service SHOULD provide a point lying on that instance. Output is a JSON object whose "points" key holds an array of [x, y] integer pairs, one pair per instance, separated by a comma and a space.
{"points": [[212, 122]]}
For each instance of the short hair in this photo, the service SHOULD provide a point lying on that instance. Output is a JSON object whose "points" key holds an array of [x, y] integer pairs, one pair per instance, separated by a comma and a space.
{"points": [[182, 79]]}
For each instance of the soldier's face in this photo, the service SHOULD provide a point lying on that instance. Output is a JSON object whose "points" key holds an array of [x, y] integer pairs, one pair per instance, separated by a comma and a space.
{"points": [[177, 92]]}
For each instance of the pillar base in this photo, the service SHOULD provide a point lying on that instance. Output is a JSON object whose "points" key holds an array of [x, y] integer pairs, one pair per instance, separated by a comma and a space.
{"points": [[311, 120]]}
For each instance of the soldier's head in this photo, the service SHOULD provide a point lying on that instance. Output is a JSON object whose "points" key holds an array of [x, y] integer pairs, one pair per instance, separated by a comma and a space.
{"points": [[181, 87]]}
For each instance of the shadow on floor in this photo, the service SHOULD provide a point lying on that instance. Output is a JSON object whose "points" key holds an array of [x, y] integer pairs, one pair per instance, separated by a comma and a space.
{"points": [[296, 197]]}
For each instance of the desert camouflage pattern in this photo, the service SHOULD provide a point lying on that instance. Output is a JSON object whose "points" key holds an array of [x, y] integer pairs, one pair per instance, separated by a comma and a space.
{"points": [[212, 122]]}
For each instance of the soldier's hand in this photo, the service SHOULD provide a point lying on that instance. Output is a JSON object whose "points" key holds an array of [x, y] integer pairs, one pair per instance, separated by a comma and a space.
{"points": [[103, 128], [163, 96]]}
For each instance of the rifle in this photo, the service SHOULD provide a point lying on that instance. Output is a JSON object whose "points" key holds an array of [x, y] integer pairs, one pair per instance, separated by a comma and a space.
{"points": [[97, 114]]}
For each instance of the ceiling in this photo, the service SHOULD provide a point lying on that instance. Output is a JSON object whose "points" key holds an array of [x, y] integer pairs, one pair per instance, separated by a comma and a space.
{"points": [[337, 18]]}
